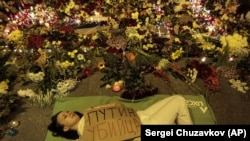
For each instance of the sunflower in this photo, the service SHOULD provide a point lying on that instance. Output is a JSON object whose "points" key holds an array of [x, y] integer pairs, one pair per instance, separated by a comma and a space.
{"points": [[101, 65]]}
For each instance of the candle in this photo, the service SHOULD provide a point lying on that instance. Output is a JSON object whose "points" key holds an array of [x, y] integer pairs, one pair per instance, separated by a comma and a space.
{"points": [[116, 87], [11, 132], [14, 123]]}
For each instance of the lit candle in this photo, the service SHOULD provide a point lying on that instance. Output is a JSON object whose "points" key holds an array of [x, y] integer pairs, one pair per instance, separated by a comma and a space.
{"points": [[14, 123], [116, 87], [230, 59], [203, 59]]}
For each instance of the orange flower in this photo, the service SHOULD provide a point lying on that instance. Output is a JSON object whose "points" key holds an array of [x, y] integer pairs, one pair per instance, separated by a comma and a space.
{"points": [[130, 56]]}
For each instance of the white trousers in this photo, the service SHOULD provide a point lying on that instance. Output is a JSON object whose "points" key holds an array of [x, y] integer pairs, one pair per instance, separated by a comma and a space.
{"points": [[169, 111]]}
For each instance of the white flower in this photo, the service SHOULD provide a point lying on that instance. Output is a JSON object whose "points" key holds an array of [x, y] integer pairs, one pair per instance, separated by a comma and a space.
{"points": [[3, 91], [248, 16], [36, 77], [66, 85], [238, 85], [192, 74], [163, 64], [121, 82], [81, 57], [108, 86], [26, 93], [4, 87], [147, 46]]}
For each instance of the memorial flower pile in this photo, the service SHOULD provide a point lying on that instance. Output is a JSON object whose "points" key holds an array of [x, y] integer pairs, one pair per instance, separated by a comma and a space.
{"points": [[52, 48]]}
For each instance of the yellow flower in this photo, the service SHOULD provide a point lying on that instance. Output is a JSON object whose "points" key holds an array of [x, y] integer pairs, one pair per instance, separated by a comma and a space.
{"points": [[47, 44], [195, 25], [175, 55], [234, 41], [1, 28], [75, 50], [72, 54], [56, 43], [107, 1], [69, 6], [135, 15], [4, 86], [66, 64], [162, 65], [81, 57], [177, 40], [15, 35], [147, 46], [94, 37], [121, 1], [218, 22], [224, 17], [83, 14], [158, 17], [208, 46]]}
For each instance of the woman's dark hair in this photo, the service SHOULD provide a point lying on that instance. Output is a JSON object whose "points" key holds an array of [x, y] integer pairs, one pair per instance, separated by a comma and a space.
{"points": [[57, 129]]}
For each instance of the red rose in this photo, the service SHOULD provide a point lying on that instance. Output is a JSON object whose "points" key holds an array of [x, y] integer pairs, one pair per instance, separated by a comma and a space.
{"points": [[35, 41]]}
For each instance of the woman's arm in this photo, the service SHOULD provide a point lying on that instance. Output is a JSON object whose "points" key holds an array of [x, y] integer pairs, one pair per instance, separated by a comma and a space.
{"points": [[114, 104]]}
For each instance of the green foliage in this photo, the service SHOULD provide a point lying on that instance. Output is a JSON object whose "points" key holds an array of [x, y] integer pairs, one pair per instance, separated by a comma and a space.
{"points": [[3, 68], [134, 79], [131, 72], [223, 58]]}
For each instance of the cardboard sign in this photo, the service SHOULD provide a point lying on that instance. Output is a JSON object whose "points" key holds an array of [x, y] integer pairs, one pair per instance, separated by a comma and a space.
{"points": [[111, 124]]}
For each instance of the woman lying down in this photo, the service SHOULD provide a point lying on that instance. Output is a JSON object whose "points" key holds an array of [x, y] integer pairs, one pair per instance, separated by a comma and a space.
{"points": [[114, 121]]}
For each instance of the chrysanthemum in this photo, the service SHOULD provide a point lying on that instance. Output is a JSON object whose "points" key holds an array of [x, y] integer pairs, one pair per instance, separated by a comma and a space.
{"points": [[15, 35], [175, 55]]}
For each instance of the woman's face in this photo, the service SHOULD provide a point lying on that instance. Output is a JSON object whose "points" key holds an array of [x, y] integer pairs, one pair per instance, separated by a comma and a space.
{"points": [[67, 118]]}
